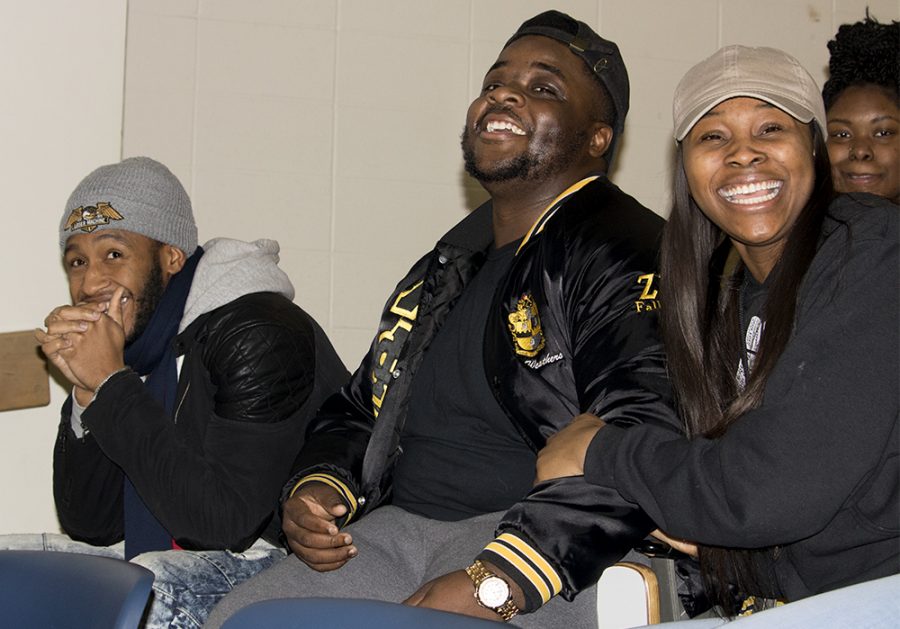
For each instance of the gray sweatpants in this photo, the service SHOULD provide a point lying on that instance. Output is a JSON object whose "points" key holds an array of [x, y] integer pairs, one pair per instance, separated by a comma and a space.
{"points": [[398, 553]]}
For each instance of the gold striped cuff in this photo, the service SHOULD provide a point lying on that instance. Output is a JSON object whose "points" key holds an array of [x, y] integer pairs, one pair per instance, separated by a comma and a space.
{"points": [[337, 484], [529, 562]]}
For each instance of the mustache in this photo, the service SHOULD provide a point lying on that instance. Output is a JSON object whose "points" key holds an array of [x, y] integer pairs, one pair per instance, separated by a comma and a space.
{"points": [[498, 108]]}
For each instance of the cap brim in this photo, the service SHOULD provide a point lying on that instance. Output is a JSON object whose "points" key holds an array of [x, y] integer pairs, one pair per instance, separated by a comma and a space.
{"points": [[788, 106]]}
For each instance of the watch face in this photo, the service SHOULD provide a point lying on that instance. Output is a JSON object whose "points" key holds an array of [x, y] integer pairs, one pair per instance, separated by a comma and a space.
{"points": [[493, 592]]}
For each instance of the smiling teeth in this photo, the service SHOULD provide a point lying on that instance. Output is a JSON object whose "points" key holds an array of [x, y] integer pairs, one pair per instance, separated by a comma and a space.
{"points": [[746, 194], [494, 126]]}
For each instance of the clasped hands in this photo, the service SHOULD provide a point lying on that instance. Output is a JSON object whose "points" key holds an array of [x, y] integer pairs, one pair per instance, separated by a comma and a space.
{"points": [[85, 342]]}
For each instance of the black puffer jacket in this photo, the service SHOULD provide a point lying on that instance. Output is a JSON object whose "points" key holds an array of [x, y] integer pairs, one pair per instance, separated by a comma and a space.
{"points": [[588, 344], [254, 373]]}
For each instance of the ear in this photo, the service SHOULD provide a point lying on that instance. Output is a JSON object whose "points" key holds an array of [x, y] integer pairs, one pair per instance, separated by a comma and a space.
{"points": [[601, 138], [171, 261]]}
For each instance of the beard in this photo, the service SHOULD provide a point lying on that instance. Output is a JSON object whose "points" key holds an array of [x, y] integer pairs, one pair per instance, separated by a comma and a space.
{"points": [[556, 153], [145, 304]]}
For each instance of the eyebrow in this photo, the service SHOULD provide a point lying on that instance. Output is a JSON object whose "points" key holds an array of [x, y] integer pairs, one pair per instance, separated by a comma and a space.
{"points": [[101, 236], [552, 69], [875, 120]]}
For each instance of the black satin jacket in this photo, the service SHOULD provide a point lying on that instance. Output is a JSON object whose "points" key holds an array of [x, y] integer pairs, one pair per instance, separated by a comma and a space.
{"points": [[573, 329]]}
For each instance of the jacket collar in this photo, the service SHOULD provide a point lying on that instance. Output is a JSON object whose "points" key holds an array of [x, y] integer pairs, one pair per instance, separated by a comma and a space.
{"points": [[476, 231], [551, 209]]}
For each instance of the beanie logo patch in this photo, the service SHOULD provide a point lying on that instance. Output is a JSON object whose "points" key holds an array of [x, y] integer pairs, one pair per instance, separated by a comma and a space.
{"points": [[90, 217]]}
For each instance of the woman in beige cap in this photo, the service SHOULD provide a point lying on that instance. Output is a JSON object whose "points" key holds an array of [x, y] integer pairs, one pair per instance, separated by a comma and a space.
{"points": [[785, 367]]}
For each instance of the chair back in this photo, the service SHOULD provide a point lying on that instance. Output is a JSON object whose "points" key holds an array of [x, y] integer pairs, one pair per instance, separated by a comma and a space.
{"points": [[627, 596], [56, 590], [347, 613]]}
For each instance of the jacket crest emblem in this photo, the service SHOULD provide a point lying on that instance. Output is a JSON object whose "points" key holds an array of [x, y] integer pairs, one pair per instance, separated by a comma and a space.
{"points": [[525, 326], [90, 217]]}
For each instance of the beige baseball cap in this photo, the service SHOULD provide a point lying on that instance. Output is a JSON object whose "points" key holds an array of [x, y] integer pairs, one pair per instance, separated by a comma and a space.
{"points": [[768, 74]]}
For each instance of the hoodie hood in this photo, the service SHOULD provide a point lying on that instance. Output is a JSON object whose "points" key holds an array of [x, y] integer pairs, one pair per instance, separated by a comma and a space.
{"points": [[230, 269]]}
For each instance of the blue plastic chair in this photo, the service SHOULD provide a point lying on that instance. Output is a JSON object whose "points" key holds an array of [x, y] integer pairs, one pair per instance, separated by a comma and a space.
{"points": [[348, 613], [55, 590]]}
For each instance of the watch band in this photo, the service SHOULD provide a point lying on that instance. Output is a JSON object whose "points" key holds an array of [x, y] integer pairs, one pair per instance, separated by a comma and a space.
{"points": [[478, 573]]}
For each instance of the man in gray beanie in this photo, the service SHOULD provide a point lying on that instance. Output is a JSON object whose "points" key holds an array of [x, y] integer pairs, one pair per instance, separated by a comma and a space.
{"points": [[194, 377]]}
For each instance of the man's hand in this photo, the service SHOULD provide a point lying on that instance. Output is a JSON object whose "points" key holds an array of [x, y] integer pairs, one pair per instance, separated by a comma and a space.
{"points": [[99, 351], [309, 524], [64, 324], [86, 342], [455, 592], [565, 451]]}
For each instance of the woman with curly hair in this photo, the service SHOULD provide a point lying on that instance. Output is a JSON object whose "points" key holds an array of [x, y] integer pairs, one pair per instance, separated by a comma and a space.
{"points": [[863, 107]]}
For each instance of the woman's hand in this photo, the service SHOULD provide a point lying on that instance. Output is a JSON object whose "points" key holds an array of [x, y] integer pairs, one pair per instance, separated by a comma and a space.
{"points": [[688, 548], [565, 451]]}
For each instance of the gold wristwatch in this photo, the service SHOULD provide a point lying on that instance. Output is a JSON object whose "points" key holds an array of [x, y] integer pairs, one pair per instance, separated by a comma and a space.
{"points": [[492, 591]]}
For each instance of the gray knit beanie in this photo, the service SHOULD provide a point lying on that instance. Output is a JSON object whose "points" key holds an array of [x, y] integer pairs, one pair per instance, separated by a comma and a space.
{"points": [[138, 195]]}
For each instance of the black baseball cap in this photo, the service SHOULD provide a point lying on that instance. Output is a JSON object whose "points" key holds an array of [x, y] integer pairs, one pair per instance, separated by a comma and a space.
{"points": [[601, 56]]}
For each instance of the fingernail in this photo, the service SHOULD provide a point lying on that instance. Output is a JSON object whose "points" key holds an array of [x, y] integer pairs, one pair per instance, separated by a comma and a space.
{"points": [[352, 552], [82, 326]]}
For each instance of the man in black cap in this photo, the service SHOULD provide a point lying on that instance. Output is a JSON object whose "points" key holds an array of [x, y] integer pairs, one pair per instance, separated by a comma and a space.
{"points": [[416, 482]]}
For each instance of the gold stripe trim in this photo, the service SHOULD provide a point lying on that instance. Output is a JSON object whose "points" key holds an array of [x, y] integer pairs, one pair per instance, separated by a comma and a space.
{"points": [[522, 566], [403, 312], [335, 483], [536, 558], [538, 225]]}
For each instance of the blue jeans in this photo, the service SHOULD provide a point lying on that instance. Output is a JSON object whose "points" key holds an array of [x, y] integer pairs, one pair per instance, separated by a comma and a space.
{"points": [[187, 583]]}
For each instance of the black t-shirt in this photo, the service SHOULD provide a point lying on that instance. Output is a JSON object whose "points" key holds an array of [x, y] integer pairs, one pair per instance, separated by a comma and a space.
{"points": [[753, 295], [462, 456]]}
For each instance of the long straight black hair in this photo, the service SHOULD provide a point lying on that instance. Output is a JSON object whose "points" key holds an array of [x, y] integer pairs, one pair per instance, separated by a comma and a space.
{"points": [[701, 330]]}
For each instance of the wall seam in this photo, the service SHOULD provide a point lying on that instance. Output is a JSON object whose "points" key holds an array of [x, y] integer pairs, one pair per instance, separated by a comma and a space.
{"points": [[334, 161], [124, 80], [195, 98]]}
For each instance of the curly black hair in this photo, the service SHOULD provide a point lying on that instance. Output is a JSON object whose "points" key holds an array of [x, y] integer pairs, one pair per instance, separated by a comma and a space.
{"points": [[861, 53]]}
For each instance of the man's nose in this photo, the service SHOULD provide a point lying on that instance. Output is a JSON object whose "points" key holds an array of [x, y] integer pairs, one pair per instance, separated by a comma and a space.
{"points": [[95, 282], [506, 95]]}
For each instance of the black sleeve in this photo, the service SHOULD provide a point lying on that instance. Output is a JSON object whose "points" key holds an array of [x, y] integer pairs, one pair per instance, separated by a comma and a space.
{"points": [[339, 437], [334, 452], [561, 537], [222, 494], [87, 487], [785, 469]]}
